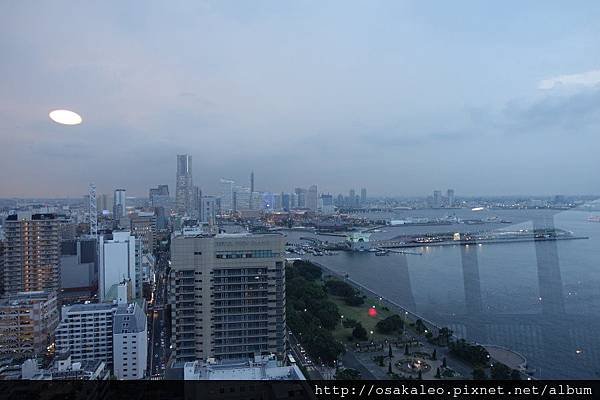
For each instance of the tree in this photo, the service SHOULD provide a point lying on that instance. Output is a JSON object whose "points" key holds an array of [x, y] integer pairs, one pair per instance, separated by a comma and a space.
{"points": [[444, 363], [478, 374], [390, 367], [500, 371], [434, 354], [406, 349], [419, 326], [359, 332], [390, 355], [437, 373], [420, 376], [515, 375], [390, 324], [347, 374]]}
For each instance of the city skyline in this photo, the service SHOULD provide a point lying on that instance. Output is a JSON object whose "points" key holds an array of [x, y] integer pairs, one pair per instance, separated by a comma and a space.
{"points": [[401, 97]]}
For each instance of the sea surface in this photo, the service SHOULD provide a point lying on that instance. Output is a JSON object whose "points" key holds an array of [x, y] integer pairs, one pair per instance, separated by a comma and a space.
{"points": [[541, 299]]}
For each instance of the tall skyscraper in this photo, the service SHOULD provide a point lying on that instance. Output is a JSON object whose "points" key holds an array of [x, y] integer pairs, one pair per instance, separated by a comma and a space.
{"points": [[363, 196], [226, 194], [437, 198], [450, 197], [119, 207], [300, 197], [227, 294], [32, 253], [208, 211], [184, 184], [312, 198], [251, 205]]}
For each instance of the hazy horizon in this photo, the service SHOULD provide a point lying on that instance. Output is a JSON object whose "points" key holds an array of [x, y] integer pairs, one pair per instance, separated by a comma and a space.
{"points": [[399, 97]]}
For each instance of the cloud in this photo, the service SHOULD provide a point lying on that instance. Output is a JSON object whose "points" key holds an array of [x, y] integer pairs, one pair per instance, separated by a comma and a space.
{"points": [[584, 79]]}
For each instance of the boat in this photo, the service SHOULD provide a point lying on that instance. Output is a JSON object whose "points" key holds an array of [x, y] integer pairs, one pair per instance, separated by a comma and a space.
{"points": [[381, 253]]}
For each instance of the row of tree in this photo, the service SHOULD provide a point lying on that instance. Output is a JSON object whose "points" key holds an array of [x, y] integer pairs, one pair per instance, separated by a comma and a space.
{"points": [[310, 314], [351, 296]]}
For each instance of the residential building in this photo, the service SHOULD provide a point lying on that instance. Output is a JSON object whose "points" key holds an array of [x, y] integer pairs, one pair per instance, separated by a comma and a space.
{"points": [[27, 323], [85, 331], [130, 342], [32, 253], [227, 296]]}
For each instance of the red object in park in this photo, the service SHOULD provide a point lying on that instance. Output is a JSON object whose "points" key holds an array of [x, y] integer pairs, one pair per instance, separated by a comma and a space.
{"points": [[372, 312]]}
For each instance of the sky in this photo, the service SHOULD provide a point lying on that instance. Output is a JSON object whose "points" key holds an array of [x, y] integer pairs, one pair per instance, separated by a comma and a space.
{"points": [[400, 97]]}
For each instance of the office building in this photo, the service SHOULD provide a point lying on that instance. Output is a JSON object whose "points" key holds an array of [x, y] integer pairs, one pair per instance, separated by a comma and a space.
{"points": [[159, 198], [227, 296], [312, 202], [104, 203], [363, 196], [286, 201], [437, 198], [130, 342], [451, 200], [119, 260], [208, 211], [27, 323], [78, 268], [119, 206], [184, 184], [85, 332], [226, 189], [143, 225], [326, 204], [300, 197], [32, 253]]}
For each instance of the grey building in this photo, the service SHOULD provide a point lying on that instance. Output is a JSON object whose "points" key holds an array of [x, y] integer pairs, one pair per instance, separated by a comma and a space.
{"points": [[119, 206], [227, 294], [184, 188], [130, 342]]}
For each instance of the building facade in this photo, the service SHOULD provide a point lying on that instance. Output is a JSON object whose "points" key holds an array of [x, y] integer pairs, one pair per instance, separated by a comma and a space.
{"points": [[227, 296], [85, 331], [183, 184], [130, 342], [32, 253], [27, 323], [119, 260]]}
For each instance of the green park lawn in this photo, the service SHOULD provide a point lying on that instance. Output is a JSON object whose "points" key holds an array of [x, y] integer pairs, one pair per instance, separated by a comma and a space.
{"points": [[360, 314]]}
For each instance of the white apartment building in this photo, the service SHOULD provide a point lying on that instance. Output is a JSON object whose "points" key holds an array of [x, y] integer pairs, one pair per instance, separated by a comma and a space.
{"points": [[120, 258]]}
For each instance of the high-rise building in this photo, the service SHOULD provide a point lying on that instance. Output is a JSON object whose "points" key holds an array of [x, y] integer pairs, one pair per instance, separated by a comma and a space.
{"points": [[119, 206], [78, 268], [143, 226], [451, 198], [437, 198], [251, 205], [208, 212], [286, 202], [363, 196], [104, 203], [159, 197], [301, 197], [227, 296], [119, 260], [130, 342], [184, 185], [326, 204], [27, 323], [226, 194], [32, 253], [312, 198]]}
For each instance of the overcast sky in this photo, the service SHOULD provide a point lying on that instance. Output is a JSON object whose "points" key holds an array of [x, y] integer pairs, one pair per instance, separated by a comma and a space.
{"points": [[399, 97]]}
